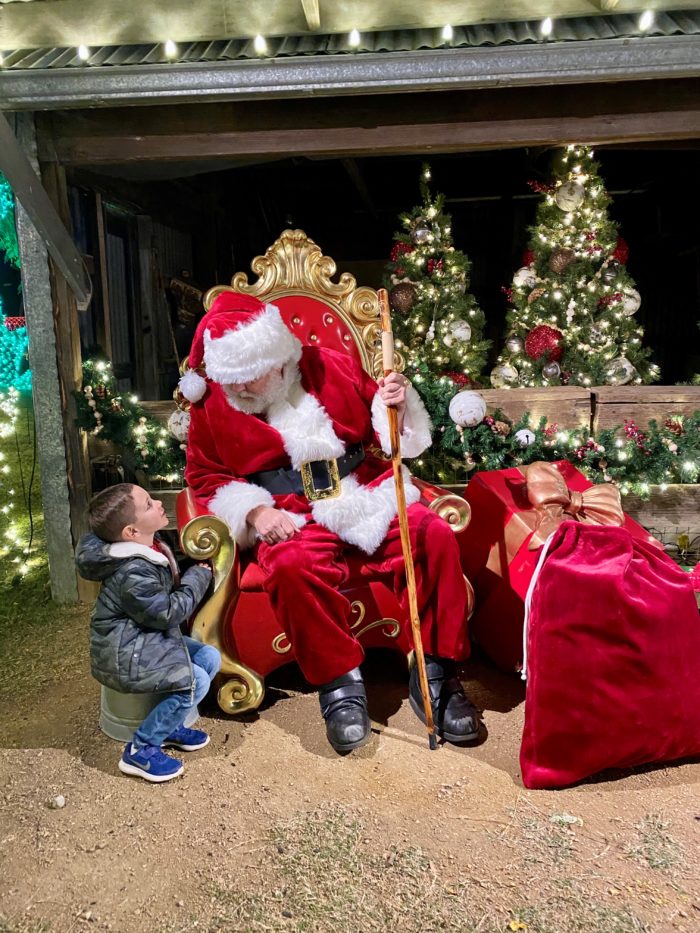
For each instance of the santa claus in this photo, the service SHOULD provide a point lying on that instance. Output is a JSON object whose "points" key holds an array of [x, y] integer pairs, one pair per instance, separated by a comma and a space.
{"points": [[283, 446]]}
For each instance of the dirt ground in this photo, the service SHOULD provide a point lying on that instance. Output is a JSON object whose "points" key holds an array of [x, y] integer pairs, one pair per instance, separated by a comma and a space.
{"points": [[269, 830]]}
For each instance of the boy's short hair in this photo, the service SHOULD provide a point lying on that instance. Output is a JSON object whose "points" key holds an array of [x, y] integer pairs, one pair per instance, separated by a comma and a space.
{"points": [[111, 510]]}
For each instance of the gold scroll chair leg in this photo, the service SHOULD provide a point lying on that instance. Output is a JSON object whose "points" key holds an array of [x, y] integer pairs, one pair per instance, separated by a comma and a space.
{"points": [[208, 538]]}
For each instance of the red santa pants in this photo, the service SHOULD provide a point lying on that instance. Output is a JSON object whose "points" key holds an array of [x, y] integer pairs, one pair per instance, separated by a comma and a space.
{"points": [[304, 575]]}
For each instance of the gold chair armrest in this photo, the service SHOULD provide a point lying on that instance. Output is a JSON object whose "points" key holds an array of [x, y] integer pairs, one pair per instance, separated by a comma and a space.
{"points": [[207, 537], [448, 505]]}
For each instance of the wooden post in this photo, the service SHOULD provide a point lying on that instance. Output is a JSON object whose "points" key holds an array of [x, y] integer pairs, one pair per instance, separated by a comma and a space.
{"points": [[46, 390], [54, 349]]}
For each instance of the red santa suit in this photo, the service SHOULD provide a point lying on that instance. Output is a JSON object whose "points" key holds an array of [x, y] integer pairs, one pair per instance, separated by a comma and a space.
{"points": [[330, 405]]}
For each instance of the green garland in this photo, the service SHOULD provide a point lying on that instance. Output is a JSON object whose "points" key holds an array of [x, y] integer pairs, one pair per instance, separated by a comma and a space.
{"points": [[634, 460], [103, 411]]}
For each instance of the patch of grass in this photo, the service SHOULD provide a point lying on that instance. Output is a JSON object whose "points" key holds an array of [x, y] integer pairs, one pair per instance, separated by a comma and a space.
{"points": [[551, 841], [23, 926], [318, 874], [577, 914], [656, 846], [20, 488], [36, 634]]}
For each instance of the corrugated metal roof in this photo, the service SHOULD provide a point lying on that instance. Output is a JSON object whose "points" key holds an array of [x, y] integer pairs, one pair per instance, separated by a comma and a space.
{"points": [[403, 40]]}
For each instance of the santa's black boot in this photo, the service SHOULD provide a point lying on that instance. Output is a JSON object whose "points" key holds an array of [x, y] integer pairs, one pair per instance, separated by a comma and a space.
{"points": [[344, 707], [456, 720]]}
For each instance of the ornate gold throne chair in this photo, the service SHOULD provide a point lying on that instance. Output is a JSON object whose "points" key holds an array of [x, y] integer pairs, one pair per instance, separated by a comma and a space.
{"points": [[238, 619]]}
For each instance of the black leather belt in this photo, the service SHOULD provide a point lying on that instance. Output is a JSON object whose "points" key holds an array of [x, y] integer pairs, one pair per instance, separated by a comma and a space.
{"points": [[317, 479]]}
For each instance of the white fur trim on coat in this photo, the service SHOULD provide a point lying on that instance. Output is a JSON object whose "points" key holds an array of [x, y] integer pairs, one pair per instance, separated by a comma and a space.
{"points": [[192, 385], [361, 515], [233, 502], [252, 350], [306, 428], [134, 549], [416, 436]]}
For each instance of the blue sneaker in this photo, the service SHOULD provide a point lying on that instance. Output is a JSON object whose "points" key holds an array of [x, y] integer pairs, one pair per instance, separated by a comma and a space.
{"points": [[150, 763], [188, 740]]}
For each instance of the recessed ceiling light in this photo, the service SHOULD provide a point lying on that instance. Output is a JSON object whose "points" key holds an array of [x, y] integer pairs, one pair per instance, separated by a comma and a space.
{"points": [[170, 49], [260, 45], [546, 26], [354, 38], [447, 33], [83, 53], [646, 20]]}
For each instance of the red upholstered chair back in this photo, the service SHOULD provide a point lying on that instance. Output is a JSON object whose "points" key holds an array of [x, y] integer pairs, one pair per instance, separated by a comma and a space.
{"points": [[317, 323], [294, 275]]}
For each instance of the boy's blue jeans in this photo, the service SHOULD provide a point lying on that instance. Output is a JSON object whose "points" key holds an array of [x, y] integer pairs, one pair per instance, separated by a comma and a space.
{"points": [[171, 713]]}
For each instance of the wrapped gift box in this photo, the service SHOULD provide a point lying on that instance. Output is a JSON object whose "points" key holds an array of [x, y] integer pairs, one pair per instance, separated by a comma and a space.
{"points": [[513, 512]]}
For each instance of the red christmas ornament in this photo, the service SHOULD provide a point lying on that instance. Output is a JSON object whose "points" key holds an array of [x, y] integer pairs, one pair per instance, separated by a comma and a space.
{"points": [[544, 341], [528, 258], [433, 264], [622, 251], [540, 187], [459, 379], [609, 299], [400, 249]]}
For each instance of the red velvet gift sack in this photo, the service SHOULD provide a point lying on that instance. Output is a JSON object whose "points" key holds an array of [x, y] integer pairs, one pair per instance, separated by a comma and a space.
{"points": [[513, 511], [613, 658]]}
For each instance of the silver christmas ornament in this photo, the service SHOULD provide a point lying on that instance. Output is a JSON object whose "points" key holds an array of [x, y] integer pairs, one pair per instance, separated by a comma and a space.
{"points": [[467, 409], [551, 370], [620, 371], [420, 232], [514, 345], [524, 278], [524, 437], [610, 272], [631, 301], [460, 331], [503, 375], [596, 334], [569, 196]]}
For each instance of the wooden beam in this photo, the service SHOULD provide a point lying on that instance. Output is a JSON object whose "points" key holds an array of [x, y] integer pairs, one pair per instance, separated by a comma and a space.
{"points": [[312, 14], [444, 122], [105, 322], [48, 393], [69, 360]]}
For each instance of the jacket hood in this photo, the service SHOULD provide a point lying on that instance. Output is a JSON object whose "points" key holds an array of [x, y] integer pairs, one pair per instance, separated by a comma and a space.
{"points": [[97, 559]]}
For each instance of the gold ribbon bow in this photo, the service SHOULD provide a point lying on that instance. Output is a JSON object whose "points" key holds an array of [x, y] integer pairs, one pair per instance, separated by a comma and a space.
{"points": [[554, 502]]}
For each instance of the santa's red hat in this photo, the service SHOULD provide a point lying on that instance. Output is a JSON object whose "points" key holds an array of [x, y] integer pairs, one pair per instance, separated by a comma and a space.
{"points": [[238, 340]]}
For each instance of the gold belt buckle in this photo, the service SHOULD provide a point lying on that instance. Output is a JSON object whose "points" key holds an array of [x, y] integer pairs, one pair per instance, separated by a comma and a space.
{"points": [[312, 493]]}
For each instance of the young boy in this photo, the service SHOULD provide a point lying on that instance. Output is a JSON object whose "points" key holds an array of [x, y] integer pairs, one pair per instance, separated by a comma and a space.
{"points": [[136, 645]]}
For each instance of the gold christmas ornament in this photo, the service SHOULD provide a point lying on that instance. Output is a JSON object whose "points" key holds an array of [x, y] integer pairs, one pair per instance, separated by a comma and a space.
{"points": [[402, 297], [561, 259], [535, 294]]}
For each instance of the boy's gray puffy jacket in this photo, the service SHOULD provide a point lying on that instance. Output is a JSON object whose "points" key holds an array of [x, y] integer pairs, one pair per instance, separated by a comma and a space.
{"points": [[136, 644]]}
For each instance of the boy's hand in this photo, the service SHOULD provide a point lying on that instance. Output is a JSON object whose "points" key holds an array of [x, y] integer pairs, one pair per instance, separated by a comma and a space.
{"points": [[206, 565]]}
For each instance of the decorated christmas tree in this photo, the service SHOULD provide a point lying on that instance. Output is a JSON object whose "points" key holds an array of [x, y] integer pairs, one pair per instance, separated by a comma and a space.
{"points": [[572, 320], [437, 323]]}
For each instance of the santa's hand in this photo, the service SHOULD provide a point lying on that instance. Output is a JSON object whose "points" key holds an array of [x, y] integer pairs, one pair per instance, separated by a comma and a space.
{"points": [[392, 391], [271, 525]]}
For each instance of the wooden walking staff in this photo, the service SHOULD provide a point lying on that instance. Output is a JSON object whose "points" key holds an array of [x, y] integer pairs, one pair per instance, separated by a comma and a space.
{"points": [[388, 363]]}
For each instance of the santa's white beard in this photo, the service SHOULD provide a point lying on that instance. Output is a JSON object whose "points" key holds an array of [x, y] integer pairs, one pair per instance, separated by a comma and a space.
{"points": [[256, 403]]}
